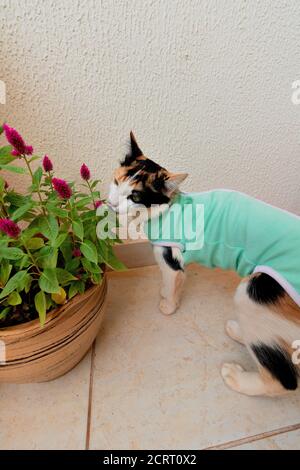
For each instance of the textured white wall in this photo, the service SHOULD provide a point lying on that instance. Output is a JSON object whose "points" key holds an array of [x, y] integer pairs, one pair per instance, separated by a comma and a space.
{"points": [[205, 85]]}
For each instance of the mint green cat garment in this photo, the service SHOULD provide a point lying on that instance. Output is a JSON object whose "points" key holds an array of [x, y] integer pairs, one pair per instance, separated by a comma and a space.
{"points": [[231, 230]]}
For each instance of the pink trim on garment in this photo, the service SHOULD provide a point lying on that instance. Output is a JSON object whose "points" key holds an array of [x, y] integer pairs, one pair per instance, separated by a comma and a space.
{"points": [[170, 244]]}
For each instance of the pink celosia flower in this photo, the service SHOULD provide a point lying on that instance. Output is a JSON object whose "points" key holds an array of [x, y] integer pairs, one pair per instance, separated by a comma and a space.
{"points": [[10, 228], [76, 252], [28, 150], [62, 188], [47, 164], [16, 140], [85, 172], [98, 204], [15, 153]]}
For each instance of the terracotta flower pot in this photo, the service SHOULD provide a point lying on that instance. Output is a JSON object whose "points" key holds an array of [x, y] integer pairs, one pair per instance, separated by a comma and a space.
{"points": [[35, 354]]}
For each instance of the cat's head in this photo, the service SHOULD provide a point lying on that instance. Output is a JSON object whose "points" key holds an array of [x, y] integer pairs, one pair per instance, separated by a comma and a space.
{"points": [[140, 181]]}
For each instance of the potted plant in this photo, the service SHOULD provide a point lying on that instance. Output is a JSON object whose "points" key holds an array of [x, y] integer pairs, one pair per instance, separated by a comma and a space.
{"points": [[52, 268]]}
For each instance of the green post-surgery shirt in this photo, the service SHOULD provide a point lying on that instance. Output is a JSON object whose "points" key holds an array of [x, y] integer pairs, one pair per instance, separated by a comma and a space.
{"points": [[231, 230]]}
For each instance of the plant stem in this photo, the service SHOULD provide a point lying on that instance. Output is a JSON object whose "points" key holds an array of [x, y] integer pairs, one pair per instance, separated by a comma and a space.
{"points": [[31, 257], [38, 189], [88, 183], [3, 204], [70, 219], [50, 178]]}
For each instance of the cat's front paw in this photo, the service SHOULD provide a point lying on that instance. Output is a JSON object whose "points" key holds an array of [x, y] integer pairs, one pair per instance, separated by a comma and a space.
{"points": [[166, 307]]}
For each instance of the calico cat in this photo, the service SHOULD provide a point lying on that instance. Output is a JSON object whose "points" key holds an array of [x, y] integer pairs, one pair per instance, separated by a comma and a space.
{"points": [[268, 319]]}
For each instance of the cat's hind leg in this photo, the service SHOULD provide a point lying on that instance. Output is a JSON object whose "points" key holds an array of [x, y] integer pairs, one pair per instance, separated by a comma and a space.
{"points": [[268, 334], [253, 383]]}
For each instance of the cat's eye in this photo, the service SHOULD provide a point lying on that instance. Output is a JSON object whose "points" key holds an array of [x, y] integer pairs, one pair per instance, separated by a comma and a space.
{"points": [[116, 182], [135, 196]]}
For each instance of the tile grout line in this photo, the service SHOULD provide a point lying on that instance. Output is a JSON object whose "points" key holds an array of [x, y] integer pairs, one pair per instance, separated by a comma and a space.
{"points": [[90, 398], [255, 437]]}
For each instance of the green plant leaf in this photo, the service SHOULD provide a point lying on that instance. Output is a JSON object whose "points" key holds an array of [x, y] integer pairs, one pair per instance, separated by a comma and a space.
{"points": [[11, 253], [73, 290], [14, 298], [96, 278], [65, 226], [83, 202], [48, 281], [89, 215], [59, 240], [89, 251], [24, 283], [73, 264], [115, 263], [2, 184], [49, 302], [62, 213], [18, 213], [91, 267], [94, 183], [81, 287], [13, 169], [27, 283], [40, 305], [37, 176], [28, 233], [16, 199], [47, 257], [48, 227], [77, 226], [109, 257], [13, 283], [67, 248], [5, 155], [4, 313], [35, 243], [24, 262], [64, 277], [5, 270], [32, 159]]}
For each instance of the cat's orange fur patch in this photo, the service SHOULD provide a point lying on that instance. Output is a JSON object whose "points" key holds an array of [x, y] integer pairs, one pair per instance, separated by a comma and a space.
{"points": [[287, 308]]}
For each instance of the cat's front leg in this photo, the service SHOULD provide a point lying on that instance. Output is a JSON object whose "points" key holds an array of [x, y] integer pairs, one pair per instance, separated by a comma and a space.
{"points": [[171, 264]]}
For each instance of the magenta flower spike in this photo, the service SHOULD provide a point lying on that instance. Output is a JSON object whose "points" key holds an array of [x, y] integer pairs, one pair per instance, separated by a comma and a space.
{"points": [[15, 153], [16, 140], [76, 253], [85, 172], [98, 204], [10, 228], [47, 164], [62, 188], [28, 150]]}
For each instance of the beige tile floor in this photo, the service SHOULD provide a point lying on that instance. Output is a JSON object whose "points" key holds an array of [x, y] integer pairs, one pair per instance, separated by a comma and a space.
{"points": [[152, 382], [283, 441]]}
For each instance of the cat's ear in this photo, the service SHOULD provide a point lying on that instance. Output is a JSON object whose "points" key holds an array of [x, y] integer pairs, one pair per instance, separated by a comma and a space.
{"points": [[134, 152], [174, 180], [135, 149]]}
